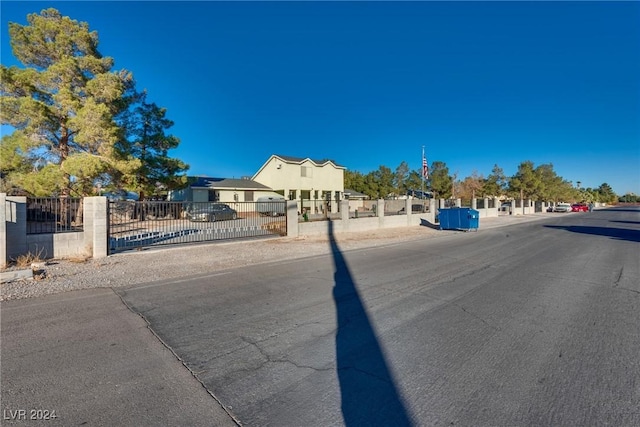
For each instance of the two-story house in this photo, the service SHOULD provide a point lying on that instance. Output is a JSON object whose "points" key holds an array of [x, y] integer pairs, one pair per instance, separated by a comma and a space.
{"points": [[303, 178]]}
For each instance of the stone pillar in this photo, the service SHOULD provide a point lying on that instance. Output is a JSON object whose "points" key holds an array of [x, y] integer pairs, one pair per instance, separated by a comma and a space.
{"points": [[344, 214], [440, 203], [3, 230], [380, 212], [474, 203], [408, 208], [458, 203], [432, 206], [100, 227], [292, 219], [13, 227], [87, 223], [380, 208]]}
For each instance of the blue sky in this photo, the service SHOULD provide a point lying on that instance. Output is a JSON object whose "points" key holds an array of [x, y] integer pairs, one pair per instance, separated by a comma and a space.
{"points": [[369, 83]]}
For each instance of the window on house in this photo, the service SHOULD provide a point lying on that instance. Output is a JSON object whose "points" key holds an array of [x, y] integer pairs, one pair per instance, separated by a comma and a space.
{"points": [[248, 196], [292, 194], [306, 171]]}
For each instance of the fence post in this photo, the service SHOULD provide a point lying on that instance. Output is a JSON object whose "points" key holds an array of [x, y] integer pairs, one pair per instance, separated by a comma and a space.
{"points": [[344, 214], [3, 230], [87, 222], [13, 228], [96, 226], [380, 213], [293, 227]]}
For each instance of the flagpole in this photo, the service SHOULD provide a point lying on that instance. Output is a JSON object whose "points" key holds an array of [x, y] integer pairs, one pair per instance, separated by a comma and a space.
{"points": [[422, 172]]}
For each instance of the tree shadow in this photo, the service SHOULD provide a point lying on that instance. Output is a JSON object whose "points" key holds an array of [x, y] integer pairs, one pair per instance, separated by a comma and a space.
{"points": [[614, 233], [368, 392], [616, 209]]}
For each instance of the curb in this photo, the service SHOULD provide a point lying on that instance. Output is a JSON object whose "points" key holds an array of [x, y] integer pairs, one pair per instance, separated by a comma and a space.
{"points": [[10, 276]]}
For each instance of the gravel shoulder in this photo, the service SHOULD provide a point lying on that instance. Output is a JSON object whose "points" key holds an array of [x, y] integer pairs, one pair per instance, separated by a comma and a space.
{"points": [[162, 263]]}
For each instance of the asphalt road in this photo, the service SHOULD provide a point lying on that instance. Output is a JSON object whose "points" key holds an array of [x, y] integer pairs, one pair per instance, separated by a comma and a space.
{"points": [[531, 324]]}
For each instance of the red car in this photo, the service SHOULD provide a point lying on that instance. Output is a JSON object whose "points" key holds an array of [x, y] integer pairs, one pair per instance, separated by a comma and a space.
{"points": [[579, 207]]}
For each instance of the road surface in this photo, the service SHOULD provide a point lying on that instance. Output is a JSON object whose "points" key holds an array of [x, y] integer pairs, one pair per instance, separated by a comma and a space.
{"points": [[531, 324], [534, 324]]}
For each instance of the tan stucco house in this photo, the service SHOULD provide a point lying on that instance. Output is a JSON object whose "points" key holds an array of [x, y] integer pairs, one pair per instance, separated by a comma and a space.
{"points": [[302, 178]]}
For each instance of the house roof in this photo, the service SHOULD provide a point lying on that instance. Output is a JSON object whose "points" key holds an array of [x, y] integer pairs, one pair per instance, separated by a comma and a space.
{"points": [[298, 160], [225, 183], [291, 159], [353, 194]]}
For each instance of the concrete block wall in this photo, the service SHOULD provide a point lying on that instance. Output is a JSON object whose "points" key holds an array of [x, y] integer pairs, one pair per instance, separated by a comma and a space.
{"points": [[14, 240], [57, 245], [93, 241]]}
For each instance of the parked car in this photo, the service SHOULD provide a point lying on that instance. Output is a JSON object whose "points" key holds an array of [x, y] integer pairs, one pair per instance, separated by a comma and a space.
{"points": [[562, 207], [212, 212], [579, 207]]}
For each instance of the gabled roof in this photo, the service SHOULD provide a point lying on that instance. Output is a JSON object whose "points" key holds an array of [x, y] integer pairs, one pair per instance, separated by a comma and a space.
{"points": [[297, 161], [225, 183]]}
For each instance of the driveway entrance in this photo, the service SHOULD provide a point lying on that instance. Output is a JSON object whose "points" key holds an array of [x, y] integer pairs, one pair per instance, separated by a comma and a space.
{"points": [[150, 223]]}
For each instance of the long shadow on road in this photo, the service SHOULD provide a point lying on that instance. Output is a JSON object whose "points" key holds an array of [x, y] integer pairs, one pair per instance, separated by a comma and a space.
{"points": [[612, 232], [368, 392]]}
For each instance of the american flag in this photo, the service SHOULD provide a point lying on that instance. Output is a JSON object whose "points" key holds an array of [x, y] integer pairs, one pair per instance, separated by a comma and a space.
{"points": [[425, 168]]}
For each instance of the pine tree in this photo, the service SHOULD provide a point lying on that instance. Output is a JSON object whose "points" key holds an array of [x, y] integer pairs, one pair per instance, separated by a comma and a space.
{"points": [[77, 123]]}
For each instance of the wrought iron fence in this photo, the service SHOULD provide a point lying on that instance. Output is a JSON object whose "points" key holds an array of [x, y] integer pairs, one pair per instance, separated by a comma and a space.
{"points": [[318, 209], [150, 223], [54, 215]]}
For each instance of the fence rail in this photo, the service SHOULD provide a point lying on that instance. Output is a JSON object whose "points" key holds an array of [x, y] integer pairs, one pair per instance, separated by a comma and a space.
{"points": [[54, 215], [151, 223]]}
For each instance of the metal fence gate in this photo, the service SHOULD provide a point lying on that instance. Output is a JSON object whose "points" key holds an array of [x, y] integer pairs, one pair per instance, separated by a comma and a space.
{"points": [[151, 223]]}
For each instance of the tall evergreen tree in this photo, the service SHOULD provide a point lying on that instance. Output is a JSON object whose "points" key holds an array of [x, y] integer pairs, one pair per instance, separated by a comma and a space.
{"points": [[76, 122], [400, 178], [525, 183], [415, 181], [385, 179], [606, 193], [62, 105], [147, 141], [440, 180], [496, 183]]}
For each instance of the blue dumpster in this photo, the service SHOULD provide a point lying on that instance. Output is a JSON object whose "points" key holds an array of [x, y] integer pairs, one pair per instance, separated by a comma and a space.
{"points": [[459, 219]]}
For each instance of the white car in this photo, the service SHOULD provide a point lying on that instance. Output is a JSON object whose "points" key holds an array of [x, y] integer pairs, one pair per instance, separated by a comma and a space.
{"points": [[562, 207]]}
